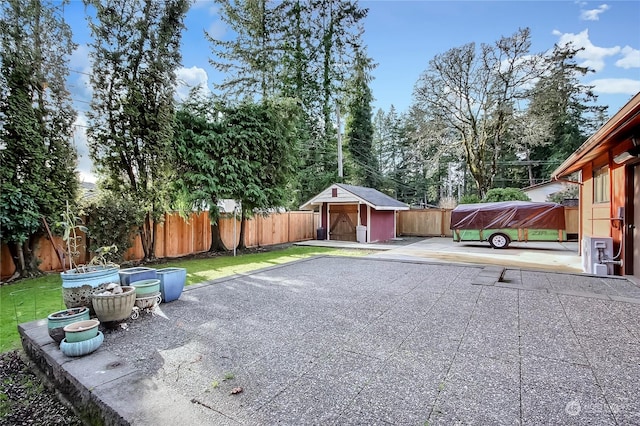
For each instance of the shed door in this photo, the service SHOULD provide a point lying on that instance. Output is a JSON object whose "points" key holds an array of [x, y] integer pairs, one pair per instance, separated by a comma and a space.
{"points": [[343, 220]]}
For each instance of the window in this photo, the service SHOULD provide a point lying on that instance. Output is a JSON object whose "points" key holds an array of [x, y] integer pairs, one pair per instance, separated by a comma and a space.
{"points": [[601, 185]]}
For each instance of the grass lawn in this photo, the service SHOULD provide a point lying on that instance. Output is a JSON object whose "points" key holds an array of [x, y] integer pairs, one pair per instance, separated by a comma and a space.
{"points": [[32, 299]]}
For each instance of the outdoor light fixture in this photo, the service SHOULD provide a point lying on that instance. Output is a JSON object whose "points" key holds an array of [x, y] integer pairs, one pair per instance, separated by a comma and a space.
{"points": [[623, 157], [630, 154]]}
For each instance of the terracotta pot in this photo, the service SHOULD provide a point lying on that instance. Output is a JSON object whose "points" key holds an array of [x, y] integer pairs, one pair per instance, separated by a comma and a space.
{"points": [[114, 307]]}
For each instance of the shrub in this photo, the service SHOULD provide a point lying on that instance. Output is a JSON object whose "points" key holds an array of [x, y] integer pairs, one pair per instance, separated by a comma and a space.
{"points": [[505, 194], [469, 199], [112, 220]]}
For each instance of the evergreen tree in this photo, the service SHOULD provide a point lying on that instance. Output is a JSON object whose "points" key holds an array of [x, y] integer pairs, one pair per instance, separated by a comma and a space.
{"points": [[560, 100], [299, 49], [359, 126], [135, 53], [245, 152], [37, 158], [250, 60]]}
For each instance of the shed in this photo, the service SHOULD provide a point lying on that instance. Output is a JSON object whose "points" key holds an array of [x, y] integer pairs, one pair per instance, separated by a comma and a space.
{"points": [[608, 168], [355, 213]]}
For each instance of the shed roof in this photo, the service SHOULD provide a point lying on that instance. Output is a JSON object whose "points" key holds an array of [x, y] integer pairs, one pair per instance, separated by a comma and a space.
{"points": [[350, 194]]}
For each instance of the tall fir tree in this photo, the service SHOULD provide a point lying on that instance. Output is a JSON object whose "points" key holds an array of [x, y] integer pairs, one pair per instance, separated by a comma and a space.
{"points": [[135, 53], [37, 156], [359, 125], [559, 99]]}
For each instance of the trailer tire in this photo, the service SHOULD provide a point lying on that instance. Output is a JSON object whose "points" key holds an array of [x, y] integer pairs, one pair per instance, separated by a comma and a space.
{"points": [[499, 241]]}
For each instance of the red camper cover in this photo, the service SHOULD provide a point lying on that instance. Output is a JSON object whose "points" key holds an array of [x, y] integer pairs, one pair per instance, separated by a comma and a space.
{"points": [[508, 214]]}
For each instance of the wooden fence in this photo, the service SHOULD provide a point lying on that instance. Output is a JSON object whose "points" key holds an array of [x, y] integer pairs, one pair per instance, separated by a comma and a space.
{"points": [[178, 237], [435, 222]]}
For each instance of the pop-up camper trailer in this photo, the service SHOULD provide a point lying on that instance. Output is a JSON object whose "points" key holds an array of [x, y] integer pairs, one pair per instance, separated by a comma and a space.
{"points": [[503, 222]]}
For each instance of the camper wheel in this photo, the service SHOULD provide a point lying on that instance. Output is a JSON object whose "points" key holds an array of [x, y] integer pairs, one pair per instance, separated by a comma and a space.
{"points": [[499, 241]]}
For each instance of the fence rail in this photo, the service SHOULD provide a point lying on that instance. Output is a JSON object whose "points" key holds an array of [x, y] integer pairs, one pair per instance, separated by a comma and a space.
{"points": [[179, 237]]}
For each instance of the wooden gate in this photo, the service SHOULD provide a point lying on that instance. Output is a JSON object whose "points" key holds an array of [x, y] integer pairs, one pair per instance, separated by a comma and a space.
{"points": [[343, 220]]}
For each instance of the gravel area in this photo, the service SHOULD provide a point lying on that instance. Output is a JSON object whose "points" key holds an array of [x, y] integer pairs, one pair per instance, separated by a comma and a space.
{"points": [[25, 399]]}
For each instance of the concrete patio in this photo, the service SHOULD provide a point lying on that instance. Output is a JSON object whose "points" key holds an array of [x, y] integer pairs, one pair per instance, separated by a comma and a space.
{"points": [[337, 340]]}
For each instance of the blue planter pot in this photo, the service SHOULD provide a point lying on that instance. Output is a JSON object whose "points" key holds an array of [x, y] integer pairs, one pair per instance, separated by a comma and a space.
{"points": [[172, 281], [81, 348], [138, 273], [77, 287]]}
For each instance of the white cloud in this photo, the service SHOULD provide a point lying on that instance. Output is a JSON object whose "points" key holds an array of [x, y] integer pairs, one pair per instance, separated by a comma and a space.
{"points": [[592, 56], [211, 7], [80, 67], [630, 58], [217, 29], [85, 165], [593, 14], [188, 78], [616, 86]]}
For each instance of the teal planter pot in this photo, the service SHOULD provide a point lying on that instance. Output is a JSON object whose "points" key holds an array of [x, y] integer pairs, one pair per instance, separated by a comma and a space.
{"points": [[81, 331], [146, 288], [77, 287], [172, 282], [81, 348], [130, 275], [58, 320]]}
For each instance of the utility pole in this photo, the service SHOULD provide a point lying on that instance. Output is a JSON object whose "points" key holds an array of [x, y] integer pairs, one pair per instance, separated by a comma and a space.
{"points": [[339, 141]]}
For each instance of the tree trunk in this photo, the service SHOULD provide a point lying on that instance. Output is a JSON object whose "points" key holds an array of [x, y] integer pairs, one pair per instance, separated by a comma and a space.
{"points": [[216, 239], [147, 238], [24, 259], [243, 223]]}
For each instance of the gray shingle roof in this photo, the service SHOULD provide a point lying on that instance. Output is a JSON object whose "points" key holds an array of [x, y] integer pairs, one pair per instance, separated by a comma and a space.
{"points": [[373, 196]]}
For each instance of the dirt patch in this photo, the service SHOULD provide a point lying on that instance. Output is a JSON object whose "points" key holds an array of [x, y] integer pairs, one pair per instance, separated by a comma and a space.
{"points": [[26, 399]]}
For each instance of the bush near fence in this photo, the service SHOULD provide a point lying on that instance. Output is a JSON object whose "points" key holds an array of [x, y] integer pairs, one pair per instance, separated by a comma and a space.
{"points": [[178, 237]]}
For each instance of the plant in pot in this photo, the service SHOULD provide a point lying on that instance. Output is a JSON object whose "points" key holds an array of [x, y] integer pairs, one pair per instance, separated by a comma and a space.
{"points": [[79, 281]]}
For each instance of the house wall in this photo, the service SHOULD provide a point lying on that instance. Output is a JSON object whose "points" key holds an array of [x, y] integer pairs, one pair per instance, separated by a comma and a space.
{"points": [[540, 194], [382, 225], [596, 217]]}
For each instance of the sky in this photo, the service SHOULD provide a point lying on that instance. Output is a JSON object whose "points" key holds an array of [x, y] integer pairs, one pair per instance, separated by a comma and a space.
{"points": [[403, 36]]}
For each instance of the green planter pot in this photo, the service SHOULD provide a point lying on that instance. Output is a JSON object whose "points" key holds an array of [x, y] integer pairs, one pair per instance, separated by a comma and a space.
{"points": [[81, 330], [58, 320], [146, 288]]}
